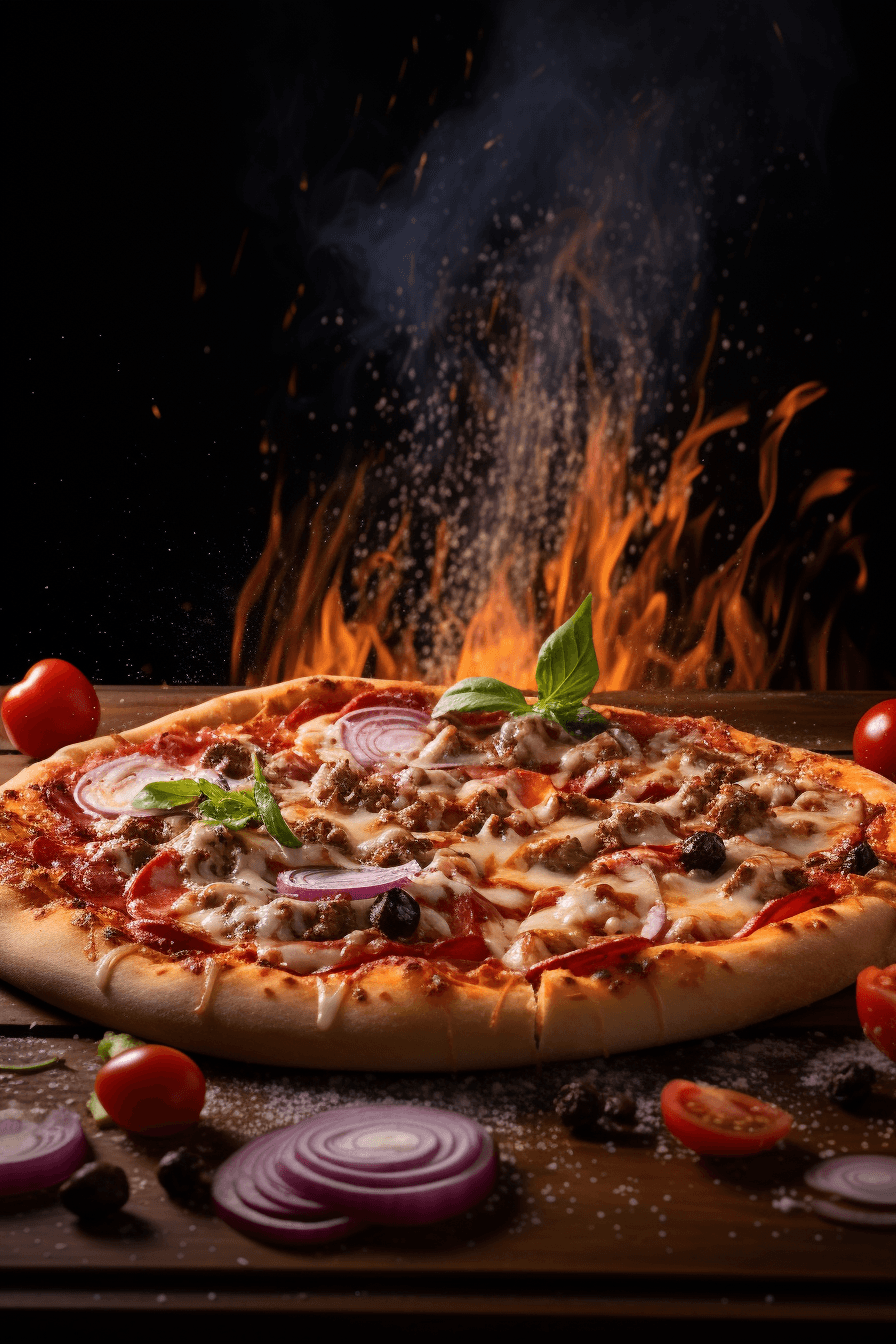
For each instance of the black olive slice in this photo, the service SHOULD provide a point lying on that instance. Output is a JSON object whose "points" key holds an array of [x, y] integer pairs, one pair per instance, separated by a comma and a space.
{"points": [[95, 1190], [860, 860], [396, 914], [703, 849]]}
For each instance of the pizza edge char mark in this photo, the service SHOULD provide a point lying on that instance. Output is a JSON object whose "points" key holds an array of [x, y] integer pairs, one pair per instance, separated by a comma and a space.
{"points": [[416, 1009]]}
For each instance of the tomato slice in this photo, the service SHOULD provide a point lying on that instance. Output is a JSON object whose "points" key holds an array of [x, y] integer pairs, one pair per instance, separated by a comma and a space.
{"points": [[718, 1122], [152, 1089], [586, 960], [876, 1004]]}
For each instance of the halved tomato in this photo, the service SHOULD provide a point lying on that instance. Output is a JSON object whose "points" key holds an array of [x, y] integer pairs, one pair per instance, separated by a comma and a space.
{"points": [[876, 1004], [718, 1122]]}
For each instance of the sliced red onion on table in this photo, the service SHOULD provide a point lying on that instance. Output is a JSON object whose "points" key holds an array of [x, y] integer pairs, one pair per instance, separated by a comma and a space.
{"points": [[360, 884], [249, 1195], [402, 1165], [867, 1178], [371, 735], [841, 1213], [656, 923], [36, 1154]]}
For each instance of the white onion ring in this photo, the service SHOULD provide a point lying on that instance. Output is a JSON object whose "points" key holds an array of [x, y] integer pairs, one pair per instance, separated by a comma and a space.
{"points": [[400, 1165], [373, 734], [310, 884], [867, 1178], [33, 1156], [109, 788]]}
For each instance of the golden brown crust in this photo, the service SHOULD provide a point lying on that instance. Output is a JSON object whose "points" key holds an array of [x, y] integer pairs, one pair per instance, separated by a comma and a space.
{"points": [[385, 1016], [391, 1016], [694, 989]]}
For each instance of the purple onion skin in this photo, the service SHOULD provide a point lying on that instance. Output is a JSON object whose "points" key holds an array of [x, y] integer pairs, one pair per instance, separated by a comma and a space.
{"points": [[370, 881], [64, 1152], [844, 1176]]}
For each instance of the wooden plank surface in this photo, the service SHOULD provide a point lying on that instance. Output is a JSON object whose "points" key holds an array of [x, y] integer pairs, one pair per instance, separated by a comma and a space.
{"points": [[636, 1229]]}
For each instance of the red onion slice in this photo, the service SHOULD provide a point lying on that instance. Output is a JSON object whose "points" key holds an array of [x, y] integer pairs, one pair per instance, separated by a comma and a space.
{"points": [[260, 1186], [867, 1178], [380, 731], [289, 1219], [108, 789], [656, 923], [34, 1155], [360, 884], [401, 1165], [840, 1213]]}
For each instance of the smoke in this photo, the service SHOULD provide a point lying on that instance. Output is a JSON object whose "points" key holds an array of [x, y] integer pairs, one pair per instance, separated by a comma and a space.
{"points": [[545, 260]]}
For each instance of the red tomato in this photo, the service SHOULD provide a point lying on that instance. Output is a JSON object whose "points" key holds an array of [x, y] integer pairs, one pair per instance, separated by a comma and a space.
{"points": [[874, 740], [152, 1089], [54, 704], [876, 1004], [719, 1122]]}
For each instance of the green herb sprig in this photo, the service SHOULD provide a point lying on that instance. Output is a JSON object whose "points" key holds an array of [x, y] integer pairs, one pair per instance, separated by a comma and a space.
{"points": [[566, 672], [223, 807]]}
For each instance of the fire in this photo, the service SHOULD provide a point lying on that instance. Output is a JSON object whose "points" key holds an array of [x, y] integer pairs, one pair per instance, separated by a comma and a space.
{"points": [[660, 619]]}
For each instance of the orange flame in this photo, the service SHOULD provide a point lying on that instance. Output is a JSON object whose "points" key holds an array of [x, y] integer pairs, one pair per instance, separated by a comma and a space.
{"points": [[659, 620]]}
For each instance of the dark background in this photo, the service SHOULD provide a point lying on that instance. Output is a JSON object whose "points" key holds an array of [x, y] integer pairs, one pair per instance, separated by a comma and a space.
{"points": [[144, 363]]}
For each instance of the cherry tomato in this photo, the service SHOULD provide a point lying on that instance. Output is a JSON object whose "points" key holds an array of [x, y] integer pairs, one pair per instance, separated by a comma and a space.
{"points": [[54, 704], [719, 1122], [152, 1089], [874, 740], [876, 1004]]}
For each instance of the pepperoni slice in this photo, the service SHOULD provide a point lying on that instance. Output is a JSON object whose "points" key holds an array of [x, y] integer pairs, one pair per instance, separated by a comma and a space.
{"points": [[586, 960], [307, 710], [152, 892], [785, 907]]}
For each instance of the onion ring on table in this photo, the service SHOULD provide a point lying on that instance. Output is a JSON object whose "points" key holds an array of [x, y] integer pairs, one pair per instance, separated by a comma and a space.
{"points": [[35, 1155], [371, 735], [399, 1165]]}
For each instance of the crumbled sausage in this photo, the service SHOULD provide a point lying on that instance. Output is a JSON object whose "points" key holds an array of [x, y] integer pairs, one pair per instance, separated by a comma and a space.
{"points": [[334, 782], [559, 853], [221, 857], [414, 817], [696, 797], [232, 759], [735, 811], [579, 759], [373, 792], [335, 918], [151, 830], [321, 831], [527, 742], [394, 849]]}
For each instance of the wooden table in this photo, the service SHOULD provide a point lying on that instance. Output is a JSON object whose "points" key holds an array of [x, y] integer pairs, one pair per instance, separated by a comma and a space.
{"points": [[627, 1230]]}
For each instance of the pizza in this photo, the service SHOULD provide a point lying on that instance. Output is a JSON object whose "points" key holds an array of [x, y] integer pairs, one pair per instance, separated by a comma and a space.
{"points": [[365, 874]]}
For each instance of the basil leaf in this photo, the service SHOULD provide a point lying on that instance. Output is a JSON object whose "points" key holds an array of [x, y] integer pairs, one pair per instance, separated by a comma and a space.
{"points": [[234, 810], [213, 791], [167, 793], [270, 812], [580, 720], [481, 695], [567, 664]]}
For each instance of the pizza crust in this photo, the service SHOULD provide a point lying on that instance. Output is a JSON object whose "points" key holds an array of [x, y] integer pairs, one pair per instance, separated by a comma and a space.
{"points": [[400, 1020], [386, 1016], [700, 989]]}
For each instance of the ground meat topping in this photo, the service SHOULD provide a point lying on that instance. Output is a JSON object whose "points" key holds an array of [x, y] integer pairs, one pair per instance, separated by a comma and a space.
{"points": [[735, 811], [321, 831], [560, 854], [529, 743], [232, 759], [334, 782], [335, 918]]}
